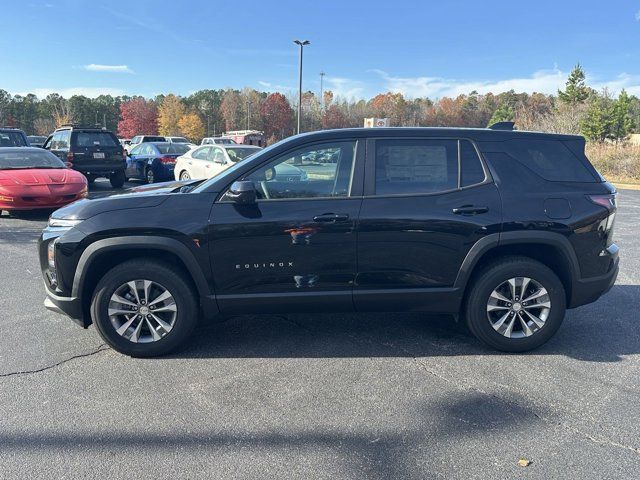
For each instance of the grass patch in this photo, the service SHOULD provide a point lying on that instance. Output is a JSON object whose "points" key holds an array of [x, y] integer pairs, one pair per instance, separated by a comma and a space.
{"points": [[618, 163]]}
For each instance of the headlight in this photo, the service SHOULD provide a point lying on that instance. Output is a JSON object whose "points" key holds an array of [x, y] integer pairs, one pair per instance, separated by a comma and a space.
{"points": [[51, 254], [63, 223]]}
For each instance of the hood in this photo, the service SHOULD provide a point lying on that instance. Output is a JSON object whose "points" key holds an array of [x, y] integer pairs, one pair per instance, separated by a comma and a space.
{"points": [[44, 176], [139, 197]]}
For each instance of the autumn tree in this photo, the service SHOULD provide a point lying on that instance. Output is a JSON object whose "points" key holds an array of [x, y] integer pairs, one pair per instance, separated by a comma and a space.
{"points": [[576, 90], [169, 115], [232, 110], [391, 105], [277, 116], [138, 117], [191, 126], [333, 117]]}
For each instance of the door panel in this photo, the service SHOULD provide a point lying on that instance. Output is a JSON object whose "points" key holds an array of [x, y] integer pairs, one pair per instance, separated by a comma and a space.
{"points": [[412, 245], [288, 253]]}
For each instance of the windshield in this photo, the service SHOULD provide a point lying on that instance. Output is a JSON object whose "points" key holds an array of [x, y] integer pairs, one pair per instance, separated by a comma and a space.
{"points": [[14, 159], [12, 139], [237, 154], [179, 140], [154, 139], [34, 139], [225, 141], [169, 148]]}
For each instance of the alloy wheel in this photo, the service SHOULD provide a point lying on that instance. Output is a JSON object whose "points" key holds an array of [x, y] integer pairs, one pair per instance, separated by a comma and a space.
{"points": [[142, 311], [185, 176], [518, 307]]}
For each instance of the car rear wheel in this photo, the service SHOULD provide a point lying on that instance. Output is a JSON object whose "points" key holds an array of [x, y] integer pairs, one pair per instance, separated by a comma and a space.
{"points": [[117, 179], [185, 176], [151, 178], [143, 308], [515, 304]]}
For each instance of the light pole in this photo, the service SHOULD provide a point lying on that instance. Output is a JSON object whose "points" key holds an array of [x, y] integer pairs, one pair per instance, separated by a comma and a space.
{"points": [[322, 74], [301, 44], [248, 112]]}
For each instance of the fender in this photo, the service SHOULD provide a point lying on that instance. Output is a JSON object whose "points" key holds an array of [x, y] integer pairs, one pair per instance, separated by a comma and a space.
{"points": [[494, 240], [143, 242]]}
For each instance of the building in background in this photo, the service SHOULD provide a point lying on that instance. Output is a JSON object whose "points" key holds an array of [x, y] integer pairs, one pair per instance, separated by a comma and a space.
{"points": [[247, 137], [376, 122]]}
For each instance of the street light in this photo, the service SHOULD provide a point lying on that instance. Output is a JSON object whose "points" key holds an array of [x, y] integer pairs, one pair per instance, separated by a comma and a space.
{"points": [[301, 44]]}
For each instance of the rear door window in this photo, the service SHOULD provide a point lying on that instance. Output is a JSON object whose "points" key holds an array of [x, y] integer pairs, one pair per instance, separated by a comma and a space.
{"points": [[550, 159], [414, 166]]}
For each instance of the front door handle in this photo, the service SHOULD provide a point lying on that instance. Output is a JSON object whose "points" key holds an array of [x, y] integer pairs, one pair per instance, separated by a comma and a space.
{"points": [[470, 210], [331, 217]]}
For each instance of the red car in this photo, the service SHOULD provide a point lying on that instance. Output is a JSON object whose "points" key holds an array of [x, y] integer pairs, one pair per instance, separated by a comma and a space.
{"points": [[32, 178]]}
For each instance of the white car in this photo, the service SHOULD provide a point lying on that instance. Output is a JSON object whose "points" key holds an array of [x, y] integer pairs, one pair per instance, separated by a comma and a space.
{"points": [[182, 141], [138, 139], [207, 161], [218, 141]]}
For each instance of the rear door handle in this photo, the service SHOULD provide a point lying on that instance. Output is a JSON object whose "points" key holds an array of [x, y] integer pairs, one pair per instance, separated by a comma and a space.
{"points": [[331, 217], [470, 210]]}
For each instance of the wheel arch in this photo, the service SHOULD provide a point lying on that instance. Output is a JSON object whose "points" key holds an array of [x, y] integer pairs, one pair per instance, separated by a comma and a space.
{"points": [[549, 248], [97, 259]]}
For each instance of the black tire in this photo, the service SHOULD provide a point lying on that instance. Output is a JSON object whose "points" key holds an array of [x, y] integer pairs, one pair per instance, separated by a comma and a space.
{"points": [[173, 281], [495, 274], [117, 179], [149, 176]]}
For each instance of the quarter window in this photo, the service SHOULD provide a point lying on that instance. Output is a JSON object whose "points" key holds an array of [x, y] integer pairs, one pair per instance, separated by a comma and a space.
{"points": [[321, 170], [414, 166]]}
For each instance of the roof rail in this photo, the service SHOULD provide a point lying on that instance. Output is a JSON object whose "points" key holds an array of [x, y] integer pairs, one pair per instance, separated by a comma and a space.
{"points": [[502, 126]]}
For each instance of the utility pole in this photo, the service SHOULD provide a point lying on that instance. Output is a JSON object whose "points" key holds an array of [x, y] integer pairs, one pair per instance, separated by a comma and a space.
{"points": [[321, 90], [248, 112], [301, 44]]}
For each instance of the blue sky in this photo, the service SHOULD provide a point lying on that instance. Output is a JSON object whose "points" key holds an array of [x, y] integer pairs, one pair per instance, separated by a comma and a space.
{"points": [[419, 48]]}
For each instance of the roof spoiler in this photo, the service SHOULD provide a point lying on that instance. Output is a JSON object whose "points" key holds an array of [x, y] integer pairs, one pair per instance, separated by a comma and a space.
{"points": [[502, 126]]}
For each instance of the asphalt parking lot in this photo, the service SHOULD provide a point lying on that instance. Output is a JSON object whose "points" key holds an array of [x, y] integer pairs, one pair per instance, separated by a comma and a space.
{"points": [[322, 396]]}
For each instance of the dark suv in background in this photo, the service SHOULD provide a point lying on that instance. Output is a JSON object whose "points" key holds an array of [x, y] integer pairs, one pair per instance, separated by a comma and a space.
{"points": [[95, 152], [13, 137], [503, 229]]}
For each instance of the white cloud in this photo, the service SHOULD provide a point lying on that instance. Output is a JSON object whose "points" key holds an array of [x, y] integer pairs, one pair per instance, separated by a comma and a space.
{"points": [[638, 15], [345, 87], [93, 67], [90, 92], [264, 84], [542, 81]]}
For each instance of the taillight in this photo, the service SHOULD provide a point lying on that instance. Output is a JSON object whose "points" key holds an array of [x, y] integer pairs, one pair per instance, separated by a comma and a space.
{"points": [[124, 153], [70, 157], [167, 160], [606, 201]]}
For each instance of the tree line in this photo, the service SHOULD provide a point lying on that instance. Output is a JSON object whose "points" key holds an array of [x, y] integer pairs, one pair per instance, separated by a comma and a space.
{"points": [[577, 109]]}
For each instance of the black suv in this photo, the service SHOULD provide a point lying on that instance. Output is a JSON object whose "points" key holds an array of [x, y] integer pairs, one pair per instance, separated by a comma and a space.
{"points": [[503, 229], [94, 152], [13, 137]]}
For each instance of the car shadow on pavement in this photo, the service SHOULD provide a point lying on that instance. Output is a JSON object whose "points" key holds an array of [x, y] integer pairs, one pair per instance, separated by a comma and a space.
{"points": [[604, 331], [374, 451]]}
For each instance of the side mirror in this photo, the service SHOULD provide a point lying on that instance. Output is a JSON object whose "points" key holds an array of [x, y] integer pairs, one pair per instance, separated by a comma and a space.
{"points": [[242, 192]]}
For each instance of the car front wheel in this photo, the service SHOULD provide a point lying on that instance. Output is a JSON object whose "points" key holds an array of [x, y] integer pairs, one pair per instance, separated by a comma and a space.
{"points": [[185, 176], [515, 304], [144, 308]]}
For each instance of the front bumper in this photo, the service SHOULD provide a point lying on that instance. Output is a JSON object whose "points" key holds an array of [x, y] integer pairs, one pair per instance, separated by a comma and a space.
{"points": [[588, 290], [69, 306]]}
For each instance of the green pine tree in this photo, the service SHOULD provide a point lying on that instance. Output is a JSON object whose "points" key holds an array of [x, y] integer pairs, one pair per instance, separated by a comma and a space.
{"points": [[576, 91], [599, 118], [504, 113], [622, 124]]}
